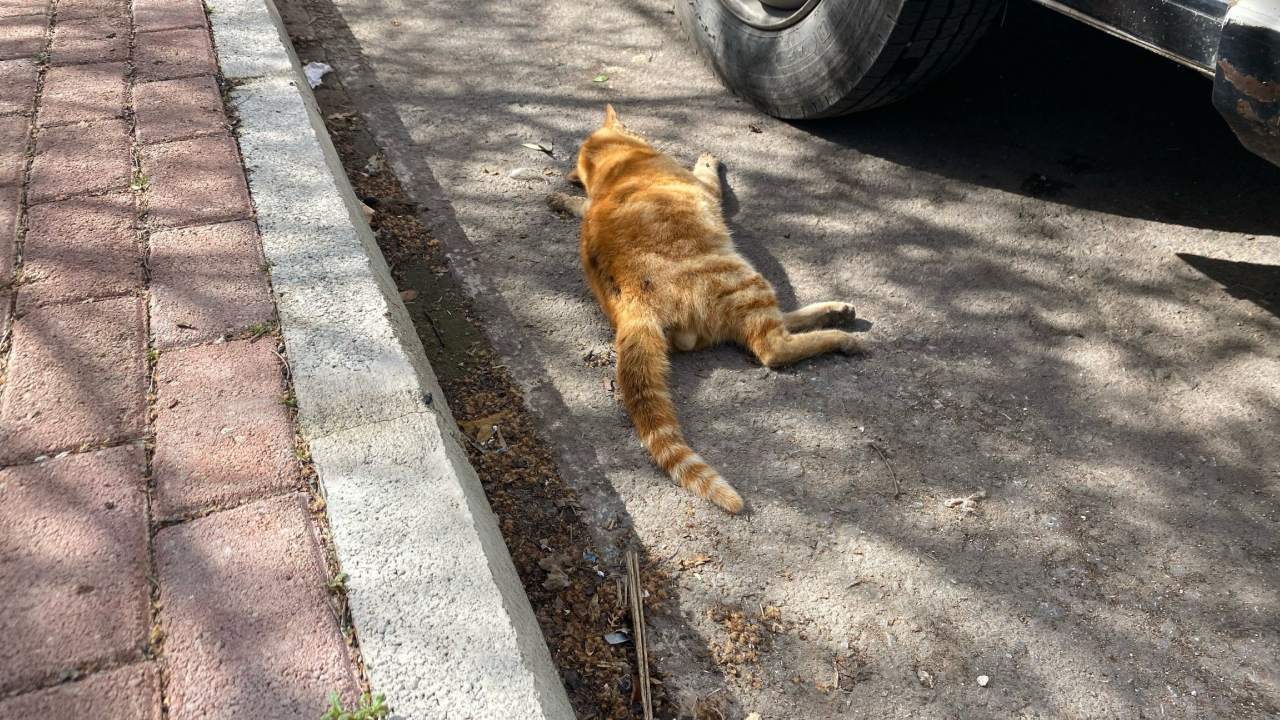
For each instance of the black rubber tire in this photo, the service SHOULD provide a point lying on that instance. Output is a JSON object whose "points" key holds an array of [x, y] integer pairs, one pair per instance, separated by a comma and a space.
{"points": [[843, 57]]}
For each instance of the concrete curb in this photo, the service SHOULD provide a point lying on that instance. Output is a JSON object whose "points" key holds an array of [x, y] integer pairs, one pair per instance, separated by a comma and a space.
{"points": [[444, 624]]}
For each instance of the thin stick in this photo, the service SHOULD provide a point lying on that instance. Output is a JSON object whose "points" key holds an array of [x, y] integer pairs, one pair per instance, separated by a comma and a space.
{"points": [[637, 631], [434, 330], [897, 486]]}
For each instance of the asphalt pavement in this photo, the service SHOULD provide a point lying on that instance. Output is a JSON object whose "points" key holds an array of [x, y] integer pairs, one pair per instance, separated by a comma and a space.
{"points": [[1069, 274]]}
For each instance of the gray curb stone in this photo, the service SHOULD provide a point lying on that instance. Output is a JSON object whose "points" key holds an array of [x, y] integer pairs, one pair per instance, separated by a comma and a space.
{"points": [[444, 625]]}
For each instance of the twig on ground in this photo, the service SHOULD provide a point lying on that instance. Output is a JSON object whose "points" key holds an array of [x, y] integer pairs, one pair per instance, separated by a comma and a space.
{"points": [[897, 486], [635, 591], [434, 330]]}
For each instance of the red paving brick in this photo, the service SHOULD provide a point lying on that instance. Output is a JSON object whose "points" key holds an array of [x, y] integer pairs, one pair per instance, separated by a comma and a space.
{"points": [[8, 237], [77, 375], [173, 54], [82, 92], [17, 86], [22, 36], [80, 158], [13, 148], [223, 433], [206, 282], [128, 693], [74, 576], [175, 109], [83, 9], [9, 8], [91, 40], [249, 630], [81, 248], [196, 181], [151, 15]]}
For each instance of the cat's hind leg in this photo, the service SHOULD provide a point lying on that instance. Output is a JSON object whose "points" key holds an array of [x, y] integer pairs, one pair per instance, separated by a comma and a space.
{"points": [[572, 204], [819, 314], [778, 348], [707, 170]]}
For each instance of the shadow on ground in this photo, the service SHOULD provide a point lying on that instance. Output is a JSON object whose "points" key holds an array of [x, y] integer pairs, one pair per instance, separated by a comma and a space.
{"points": [[1041, 243]]}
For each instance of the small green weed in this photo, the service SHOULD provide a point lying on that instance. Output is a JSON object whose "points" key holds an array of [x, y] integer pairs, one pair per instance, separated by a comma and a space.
{"points": [[338, 583], [368, 708]]}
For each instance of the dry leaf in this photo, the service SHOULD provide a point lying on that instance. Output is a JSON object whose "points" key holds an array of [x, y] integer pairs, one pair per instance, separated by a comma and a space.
{"points": [[695, 561]]}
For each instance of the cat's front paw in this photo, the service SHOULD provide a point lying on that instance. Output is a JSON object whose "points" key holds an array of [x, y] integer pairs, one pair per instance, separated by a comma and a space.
{"points": [[569, 204], [558, 201]]}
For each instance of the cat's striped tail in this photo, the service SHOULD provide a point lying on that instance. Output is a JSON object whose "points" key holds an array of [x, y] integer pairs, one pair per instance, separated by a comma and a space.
{"points": [[642, 378]]}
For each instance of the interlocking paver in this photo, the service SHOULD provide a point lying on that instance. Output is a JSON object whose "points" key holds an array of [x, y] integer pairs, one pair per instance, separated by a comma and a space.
{"points": [[73, 93], [206, 282], [80, 158], [17, 85], [80, 248], [9, 8], [195, 181], [22, 36], [128, 693], [74, 569], [77, 376], [250, 632], [174, 109], [13, 148], [170, 54], [83, 9], [152, 15], [90, 40], [223, 433]]}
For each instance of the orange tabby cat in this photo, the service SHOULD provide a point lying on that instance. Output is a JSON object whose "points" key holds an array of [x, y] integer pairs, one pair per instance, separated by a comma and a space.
{"points": [[660, 262]]}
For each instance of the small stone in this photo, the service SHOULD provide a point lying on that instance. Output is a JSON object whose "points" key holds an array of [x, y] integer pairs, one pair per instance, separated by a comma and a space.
{"points": [[983, 680]]}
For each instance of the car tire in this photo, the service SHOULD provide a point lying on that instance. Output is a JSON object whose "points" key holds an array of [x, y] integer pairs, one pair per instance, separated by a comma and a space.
{"points": [[836, 56]]}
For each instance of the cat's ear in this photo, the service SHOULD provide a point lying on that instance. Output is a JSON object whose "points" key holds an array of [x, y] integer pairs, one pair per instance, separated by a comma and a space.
{"points": [[610, 117]]}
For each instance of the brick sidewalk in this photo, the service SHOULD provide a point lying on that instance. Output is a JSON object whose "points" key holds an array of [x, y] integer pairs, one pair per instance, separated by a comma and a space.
{"points": [[157, 554]]}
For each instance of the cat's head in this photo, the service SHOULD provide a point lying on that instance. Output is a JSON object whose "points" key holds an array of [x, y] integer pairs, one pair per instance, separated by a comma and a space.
{"points": [[604, 146]]}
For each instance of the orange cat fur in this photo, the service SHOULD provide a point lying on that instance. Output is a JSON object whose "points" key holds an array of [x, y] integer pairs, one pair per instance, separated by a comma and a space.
{"points": [[659, 260]]}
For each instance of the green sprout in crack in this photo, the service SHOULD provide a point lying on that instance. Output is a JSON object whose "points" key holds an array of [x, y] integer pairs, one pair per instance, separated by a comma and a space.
{"points": [[368, 708], [338, 583], [139, 181]]}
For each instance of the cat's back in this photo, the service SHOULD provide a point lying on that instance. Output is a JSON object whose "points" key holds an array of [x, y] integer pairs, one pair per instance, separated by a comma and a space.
{"points": [[656, 206]]}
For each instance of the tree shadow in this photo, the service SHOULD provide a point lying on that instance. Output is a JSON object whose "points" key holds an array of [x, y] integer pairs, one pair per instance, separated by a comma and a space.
{"points": [[1048, 350]]}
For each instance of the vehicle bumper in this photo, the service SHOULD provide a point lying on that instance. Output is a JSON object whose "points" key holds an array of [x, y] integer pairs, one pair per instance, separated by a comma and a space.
{"points": [[1246, 82]]}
